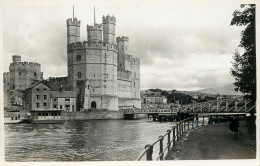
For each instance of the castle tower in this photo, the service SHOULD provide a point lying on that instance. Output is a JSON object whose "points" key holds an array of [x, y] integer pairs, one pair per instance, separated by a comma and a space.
{"points": [[22, 74], [94, 32], [16, 58], [73, 30], [122, 45], [109, 25]]}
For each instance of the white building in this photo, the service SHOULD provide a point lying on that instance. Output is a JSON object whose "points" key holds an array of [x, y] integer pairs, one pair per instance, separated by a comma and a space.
{"points": [[63, 100]]}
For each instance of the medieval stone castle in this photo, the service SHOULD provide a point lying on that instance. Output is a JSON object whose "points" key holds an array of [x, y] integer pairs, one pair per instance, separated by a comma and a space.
{"points": [[100, 70]]}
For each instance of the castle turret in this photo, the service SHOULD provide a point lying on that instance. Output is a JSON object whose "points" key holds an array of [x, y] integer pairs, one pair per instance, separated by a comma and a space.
{"points": [[122, 45], [16, 58], [73, 30], [94, 32], [109, 24]]}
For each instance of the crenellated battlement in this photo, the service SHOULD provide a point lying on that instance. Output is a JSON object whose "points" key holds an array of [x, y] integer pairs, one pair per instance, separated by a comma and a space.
{"points": [[89, 45], [59, 79], [95, 27], [16, 58], [123, 38], [73, 22], [109, 19], [23, 64]]}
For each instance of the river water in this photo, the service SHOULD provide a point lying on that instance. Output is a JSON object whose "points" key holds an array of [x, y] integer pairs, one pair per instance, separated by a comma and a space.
{"points": [[104, 140]]}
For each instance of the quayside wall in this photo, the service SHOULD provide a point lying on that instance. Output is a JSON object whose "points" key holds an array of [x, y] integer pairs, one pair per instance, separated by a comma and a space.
{"points": [[97, 115]]}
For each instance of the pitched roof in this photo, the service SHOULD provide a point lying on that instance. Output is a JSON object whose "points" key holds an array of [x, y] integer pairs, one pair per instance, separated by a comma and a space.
{"points": [[35, 83], [63, 94]]}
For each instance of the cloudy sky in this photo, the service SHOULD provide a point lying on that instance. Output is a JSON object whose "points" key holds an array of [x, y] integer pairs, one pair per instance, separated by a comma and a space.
{"points": [[182, 45]]}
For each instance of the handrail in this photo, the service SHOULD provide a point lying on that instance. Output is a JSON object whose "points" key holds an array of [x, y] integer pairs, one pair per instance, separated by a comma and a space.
{"points": [[197, 107], [142, 154], [176, 134]]}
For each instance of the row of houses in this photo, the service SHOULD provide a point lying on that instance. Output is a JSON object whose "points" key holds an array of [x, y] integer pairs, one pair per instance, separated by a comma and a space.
{"points": [[39, 96]]}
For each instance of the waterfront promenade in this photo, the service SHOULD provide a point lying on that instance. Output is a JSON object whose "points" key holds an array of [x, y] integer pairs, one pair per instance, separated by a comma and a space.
{"points": [[214, 142]]}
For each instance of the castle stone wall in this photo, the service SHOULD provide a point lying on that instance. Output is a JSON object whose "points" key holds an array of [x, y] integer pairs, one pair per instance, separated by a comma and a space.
{"points": [[6, 78], [93, 114], [22, 74]]}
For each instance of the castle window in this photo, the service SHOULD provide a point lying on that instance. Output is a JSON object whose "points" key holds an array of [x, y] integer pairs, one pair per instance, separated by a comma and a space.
{"points": [[20, 73], [44, 104], [68, 100], [38, 105], [35, 74], [37, 90], [54, 106], [79, 74], [61, 107], [55, 99], [88, 86], [94, 75], [37, 97], [44, 89], [78, 58], [45, 97]]}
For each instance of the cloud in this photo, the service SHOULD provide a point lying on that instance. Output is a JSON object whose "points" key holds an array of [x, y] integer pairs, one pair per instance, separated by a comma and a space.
{"points": [[181, 46]]}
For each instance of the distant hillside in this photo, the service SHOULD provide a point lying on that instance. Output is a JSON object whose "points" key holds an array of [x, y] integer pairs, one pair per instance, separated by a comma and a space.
{"points": [[224, 90]]}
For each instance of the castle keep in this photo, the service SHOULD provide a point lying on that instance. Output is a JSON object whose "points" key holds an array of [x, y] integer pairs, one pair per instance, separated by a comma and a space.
{"points": [[110, 76], [21, 74]]}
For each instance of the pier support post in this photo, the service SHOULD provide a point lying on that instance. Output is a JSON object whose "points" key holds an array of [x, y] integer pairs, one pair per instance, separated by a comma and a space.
{"points": [[161, 147], [149, 153]]}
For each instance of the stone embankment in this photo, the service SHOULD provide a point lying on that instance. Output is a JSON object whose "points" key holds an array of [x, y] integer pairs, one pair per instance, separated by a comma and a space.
{"points": [[214, 142], [97, 115]]}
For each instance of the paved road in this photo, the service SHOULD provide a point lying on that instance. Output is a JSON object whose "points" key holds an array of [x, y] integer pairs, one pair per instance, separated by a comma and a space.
{"points": [[214, 142]]}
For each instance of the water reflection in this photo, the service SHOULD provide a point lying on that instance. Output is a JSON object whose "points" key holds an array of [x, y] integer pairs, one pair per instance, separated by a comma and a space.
{"points": [[81, 140]]}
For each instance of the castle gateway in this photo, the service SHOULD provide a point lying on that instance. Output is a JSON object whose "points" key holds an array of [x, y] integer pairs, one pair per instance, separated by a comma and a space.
{"points": [[100, 70]]}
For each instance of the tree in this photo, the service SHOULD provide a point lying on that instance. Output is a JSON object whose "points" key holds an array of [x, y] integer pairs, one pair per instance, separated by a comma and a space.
{"points": [[244, 61]]}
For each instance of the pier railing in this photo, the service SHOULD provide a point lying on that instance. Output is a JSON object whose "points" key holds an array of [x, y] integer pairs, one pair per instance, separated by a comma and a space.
{"points": [[172, 136]]}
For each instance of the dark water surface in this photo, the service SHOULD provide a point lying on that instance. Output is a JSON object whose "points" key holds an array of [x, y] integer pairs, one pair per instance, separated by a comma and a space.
{"points": [[82, 140]]}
